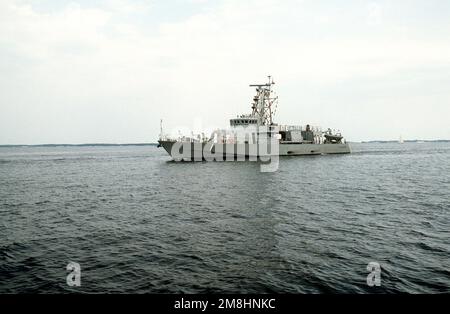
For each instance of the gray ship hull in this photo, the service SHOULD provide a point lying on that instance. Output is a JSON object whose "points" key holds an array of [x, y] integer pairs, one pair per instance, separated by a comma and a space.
{"points": [[231, 151]]}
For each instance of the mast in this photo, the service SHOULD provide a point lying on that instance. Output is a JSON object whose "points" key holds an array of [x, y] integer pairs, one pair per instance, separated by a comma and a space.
{"points": [[263, 102]]}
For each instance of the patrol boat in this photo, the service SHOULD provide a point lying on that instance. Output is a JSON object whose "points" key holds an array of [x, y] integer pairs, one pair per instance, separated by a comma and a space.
{"points": [[246, 133]]}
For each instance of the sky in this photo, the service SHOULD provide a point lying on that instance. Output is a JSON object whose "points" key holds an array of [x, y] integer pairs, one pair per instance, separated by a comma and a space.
{"points": [[108, 71]]}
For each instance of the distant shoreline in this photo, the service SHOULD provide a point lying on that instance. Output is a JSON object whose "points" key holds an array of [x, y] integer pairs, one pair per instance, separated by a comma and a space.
{"points": [[78, 145], [406, 141], [154, 144]]}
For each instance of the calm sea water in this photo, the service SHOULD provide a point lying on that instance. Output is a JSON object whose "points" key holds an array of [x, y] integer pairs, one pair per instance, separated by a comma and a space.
{"points": [[137, 222]]}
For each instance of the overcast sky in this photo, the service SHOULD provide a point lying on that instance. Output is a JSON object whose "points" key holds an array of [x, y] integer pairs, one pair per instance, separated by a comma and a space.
{"points": [[108, 71]]}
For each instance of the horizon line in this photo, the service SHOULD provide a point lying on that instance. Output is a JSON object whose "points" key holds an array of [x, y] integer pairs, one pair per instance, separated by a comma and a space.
{"points": [[155, 143], [79, 144]]}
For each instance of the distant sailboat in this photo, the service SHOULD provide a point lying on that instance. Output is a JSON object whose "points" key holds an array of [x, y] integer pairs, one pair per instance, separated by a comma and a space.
{"points": [[400, 140]]}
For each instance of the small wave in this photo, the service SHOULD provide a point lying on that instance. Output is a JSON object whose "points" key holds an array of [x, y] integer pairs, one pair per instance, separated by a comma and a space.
{"points": [[431, 248]]}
